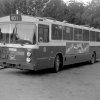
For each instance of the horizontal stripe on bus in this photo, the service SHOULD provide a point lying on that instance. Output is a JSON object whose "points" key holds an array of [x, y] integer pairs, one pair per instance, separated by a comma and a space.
{"points": [[60, 43], [53, 43], [63, 43], [94, 43], [19, 46]]}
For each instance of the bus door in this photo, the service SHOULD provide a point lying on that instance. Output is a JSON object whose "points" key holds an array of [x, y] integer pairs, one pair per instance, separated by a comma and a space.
{"points": [[43, 53]]}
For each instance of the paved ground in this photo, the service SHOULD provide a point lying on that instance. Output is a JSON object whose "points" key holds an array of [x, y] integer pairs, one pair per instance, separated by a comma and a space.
{"points": [[81, 82]]}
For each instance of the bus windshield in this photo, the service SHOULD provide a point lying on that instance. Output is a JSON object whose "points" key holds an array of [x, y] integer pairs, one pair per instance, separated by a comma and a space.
{"points": [[22, 33]]}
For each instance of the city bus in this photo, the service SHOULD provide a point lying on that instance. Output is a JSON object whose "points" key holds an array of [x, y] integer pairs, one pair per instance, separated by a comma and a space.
{"points": [[36, 43]]}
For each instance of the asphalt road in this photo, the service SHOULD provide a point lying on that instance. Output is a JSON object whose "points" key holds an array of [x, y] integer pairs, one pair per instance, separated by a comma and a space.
{"points": [[80, 82]]}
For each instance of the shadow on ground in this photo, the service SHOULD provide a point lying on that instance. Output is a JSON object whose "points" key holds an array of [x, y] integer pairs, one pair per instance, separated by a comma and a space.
{"points": [[49, 71]]}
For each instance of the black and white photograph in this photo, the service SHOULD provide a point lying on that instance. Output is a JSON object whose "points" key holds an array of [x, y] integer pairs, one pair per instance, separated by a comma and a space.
{"points": [[49, 49]]}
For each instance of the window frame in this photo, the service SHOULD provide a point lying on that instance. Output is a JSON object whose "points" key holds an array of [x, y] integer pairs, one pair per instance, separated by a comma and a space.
{"points": [[85, 36], [92, 36], [68, 33], [43, 26], [97, 36], [57, 32]]}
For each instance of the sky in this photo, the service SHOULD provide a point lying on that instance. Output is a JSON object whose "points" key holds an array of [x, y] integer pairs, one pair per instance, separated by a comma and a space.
{"points": [[84, 1]]}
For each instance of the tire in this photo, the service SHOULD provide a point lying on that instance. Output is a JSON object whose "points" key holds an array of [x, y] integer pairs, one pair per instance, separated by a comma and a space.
{"points": [[93, 58], [57, 64]]}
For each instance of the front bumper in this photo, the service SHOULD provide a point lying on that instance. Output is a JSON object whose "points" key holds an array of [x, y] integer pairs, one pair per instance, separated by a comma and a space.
{"points": [[16, 65]]}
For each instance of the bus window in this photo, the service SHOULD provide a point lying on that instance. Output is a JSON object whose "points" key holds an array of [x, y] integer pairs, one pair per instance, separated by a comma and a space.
{"points": [[25, 33], [40, 31], [17, 33], [76, 34], [80, 35], [92, 35], [67, 33], [46, 35], [85, 35], [43, 33], [5, 32], [97, 36], [56, 32]]}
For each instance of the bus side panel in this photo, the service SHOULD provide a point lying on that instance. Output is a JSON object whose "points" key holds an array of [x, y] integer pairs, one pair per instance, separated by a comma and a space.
{"points": [[45, 56], [69, 59], [82, 57], [78, 51]]}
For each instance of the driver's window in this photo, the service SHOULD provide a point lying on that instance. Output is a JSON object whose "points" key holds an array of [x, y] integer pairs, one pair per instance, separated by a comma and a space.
{"points": [[43, 33]]}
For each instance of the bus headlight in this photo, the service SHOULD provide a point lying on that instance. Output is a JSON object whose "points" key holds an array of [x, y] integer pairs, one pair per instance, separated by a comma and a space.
{"points": [[28, 60], [28, 54]]}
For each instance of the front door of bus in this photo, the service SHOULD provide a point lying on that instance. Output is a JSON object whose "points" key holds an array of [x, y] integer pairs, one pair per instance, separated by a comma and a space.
{"points": [[43, 53]]}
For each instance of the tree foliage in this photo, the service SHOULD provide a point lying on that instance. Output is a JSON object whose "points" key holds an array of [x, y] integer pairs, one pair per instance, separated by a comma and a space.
{"points": [[91, 16], [76, 9], [73, 12], [56, 9]]}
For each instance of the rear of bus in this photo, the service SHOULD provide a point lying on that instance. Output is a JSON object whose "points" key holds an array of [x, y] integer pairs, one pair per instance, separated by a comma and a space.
{"points": [[17, 43]]}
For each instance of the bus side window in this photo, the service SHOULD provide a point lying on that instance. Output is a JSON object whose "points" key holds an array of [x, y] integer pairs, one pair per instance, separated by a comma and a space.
{"points": [[43, 33], [67, 33], [46, 35], [85, 35], [97, 36], [80, 35], [76, 34], [92, 35], [40, 34], [56, 32]]}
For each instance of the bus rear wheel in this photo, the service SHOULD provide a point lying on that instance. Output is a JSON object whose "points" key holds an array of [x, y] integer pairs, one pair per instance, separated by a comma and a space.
{"points": [[93, 58], [57, 63]]}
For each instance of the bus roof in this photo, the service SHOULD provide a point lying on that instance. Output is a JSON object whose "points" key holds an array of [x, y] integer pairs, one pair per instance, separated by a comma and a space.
{"points": [[26, 18]]}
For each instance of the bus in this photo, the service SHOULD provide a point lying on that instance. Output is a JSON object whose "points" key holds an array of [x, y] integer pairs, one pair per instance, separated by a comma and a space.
{"points": [[35, 43]]}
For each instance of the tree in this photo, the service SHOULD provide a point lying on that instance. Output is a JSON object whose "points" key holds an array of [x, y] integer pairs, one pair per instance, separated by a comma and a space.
{"points": [[91, 15], [1, 10], [21, 6], [55, 9], [8, 8], [76, 9]]}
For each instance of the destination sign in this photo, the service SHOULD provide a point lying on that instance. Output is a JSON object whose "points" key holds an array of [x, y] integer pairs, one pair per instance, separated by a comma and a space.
{"points": [[15, 17]]}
